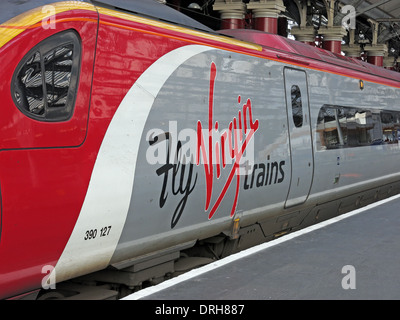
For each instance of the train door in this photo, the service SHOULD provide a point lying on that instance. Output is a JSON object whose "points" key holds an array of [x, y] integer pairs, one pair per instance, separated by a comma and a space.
{"points": [[299, 126], [50, 91]]}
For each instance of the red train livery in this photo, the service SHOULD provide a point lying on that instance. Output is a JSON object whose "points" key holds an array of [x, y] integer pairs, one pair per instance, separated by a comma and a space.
{"points": [[89, 92]]}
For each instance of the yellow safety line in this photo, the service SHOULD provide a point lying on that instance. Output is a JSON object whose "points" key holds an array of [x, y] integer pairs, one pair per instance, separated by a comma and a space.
{"points": [[182, 30], [34, 18]]}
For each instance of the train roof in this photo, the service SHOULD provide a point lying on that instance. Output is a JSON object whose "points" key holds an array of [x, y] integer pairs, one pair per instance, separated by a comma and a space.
{"points": [[150, 8], [12, 8], [299, 52], [292, 51], [153, 9]]}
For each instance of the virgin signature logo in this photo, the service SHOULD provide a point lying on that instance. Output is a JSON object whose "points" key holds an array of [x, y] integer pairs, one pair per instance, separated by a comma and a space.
{"points": [[238, 136], [209, 147]]}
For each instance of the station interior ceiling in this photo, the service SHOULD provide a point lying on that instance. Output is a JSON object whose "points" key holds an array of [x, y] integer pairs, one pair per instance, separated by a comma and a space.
{"points": [[379, 17]]}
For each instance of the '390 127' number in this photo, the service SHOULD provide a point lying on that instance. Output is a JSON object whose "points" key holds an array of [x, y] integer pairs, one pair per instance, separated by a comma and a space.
{"points": [[92, 233]]}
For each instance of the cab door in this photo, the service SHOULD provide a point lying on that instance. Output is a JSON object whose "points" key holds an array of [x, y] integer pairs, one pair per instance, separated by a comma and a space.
{"points": [[47, 97], [45, 90], [300, 140]]}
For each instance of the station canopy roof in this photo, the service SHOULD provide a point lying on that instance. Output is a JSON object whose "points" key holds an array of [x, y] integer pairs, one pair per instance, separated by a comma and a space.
{"points": [[384, 12], [379, 9]]}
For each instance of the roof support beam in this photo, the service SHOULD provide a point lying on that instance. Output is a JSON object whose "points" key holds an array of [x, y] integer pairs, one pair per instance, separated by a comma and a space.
{"points": [[372, 6], [388, 20]]}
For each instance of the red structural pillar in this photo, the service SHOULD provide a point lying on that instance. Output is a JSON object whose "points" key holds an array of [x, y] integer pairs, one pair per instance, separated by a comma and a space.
{"points": [[334, 46], [232, 13], [376, 60], [267, 24], [332, 38], [232, 20], [265, 14], [376, 52]]}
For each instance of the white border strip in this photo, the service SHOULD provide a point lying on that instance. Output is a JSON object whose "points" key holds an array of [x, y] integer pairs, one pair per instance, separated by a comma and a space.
{"points": [[109, 193], [220, 263]]}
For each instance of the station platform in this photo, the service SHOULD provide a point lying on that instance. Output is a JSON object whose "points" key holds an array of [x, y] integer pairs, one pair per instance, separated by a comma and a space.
{"points": [[353, 256]]}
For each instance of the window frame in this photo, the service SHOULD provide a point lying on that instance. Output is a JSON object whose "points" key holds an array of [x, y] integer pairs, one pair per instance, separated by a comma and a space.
{"points": [[44, 47], [351, 138], [297, 107]]}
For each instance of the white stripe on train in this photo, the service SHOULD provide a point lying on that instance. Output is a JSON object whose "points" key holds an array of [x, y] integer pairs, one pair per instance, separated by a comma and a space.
{"points": [[110, 189]]}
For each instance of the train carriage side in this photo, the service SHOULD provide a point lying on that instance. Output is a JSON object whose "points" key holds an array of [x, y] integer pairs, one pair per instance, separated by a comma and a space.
{"points": [[356, 148], [187, 192], [188, 136], [181, 184], [354, 122], [45, 89]]}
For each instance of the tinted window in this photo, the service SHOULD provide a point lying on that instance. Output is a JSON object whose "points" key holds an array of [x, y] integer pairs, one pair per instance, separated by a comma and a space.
{"points": [[342, 127], [297, 107], [45, 82]]}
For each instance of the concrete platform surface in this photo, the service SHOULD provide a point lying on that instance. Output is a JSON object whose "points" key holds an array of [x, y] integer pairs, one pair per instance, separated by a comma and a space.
{"points": [[353, 256]]}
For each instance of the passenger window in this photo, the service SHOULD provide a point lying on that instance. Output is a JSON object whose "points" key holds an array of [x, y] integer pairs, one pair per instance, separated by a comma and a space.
{"points": [[390, 127], [327, 128], [297, 107], [45, 82], [344, 127]]}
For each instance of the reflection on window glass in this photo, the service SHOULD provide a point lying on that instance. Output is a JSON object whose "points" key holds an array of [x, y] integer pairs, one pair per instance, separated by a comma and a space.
{"points": [[297, 107], [58, 68], [45, 82], [390, 126], [347, 127], [30, 93]]}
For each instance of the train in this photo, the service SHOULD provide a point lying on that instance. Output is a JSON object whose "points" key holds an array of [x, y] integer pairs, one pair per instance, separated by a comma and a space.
{"points": [[136, 143]]}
